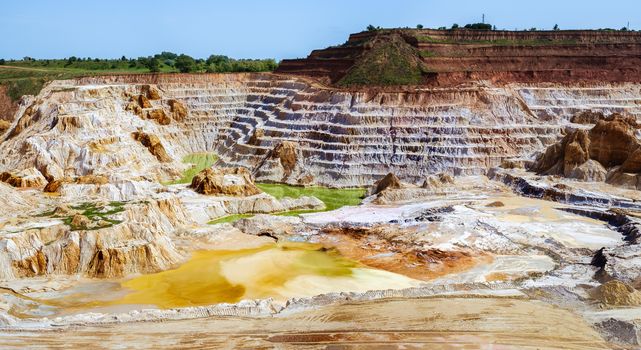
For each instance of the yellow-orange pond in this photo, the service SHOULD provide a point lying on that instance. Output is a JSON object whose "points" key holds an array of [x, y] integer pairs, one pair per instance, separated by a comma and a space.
{"points": [[279, 271]]}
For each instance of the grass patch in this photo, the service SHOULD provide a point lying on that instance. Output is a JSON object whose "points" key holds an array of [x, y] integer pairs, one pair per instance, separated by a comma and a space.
{"points": [[427, 54], [497, 42], [199, 161], [92, 211], [390, 61], [333, 198], [230, 218], [27, 78]]}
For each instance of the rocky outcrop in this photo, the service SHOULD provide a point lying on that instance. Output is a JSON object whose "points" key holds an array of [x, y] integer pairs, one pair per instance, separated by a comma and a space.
{"points": [[436, 182], [587, 117], [158, 115], [605, 153], [225, 182], [30, 115], [153, 144], [178, 110], [24, 179], [390, 181], [390, 189], [138, 242], [53, 186], [271, 226], [282, 164]]}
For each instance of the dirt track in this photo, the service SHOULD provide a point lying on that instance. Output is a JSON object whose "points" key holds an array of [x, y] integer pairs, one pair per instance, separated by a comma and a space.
{"points": [[437, 323]]}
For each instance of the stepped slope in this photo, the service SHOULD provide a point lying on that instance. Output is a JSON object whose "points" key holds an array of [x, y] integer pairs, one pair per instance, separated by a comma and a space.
{"points": [[288, 129], [456, 56]]}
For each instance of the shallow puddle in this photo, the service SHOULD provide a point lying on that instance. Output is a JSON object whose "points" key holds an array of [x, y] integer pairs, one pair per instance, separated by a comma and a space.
{"points": [[279, 271]]}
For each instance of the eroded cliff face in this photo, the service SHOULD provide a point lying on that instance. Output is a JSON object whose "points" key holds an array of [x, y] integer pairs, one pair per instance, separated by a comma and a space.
{"points": [[289, 130], [452, 57], [84, 173]]}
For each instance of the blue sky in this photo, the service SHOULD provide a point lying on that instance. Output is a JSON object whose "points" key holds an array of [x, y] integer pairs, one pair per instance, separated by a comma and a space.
{"points": [[257, 29]]}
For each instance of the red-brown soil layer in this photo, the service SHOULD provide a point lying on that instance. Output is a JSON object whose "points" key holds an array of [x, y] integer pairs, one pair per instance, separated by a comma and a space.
{"points": [[452, 57], [7, 107]]}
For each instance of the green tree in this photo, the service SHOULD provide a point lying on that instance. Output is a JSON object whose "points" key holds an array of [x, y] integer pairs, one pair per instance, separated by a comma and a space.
{"points": [[167, 55], [185, 64], [556, 27], [2, 61], [419, 26], [479, 26], [371, 28], [153, 64], [217, 59], [455, 26]]}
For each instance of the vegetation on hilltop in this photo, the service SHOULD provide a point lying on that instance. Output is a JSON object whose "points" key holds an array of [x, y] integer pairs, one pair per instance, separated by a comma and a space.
{"points": [[390, 61], [27, 76], [486, 26]]}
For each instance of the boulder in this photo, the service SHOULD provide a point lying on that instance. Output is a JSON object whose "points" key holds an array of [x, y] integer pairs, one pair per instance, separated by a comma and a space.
{"points": [[225, 181]]}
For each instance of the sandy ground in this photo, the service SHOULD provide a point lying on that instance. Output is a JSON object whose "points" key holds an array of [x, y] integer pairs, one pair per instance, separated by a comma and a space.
{"points": [[434, 323]]}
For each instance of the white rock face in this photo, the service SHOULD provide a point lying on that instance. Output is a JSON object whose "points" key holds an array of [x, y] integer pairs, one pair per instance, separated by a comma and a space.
{"points": [[286, 130], [331, 138]]}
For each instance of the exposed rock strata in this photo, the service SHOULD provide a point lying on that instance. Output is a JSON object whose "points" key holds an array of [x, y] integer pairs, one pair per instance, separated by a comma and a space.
{"points": [[27, 178], [458, 56], [339, 138]]}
